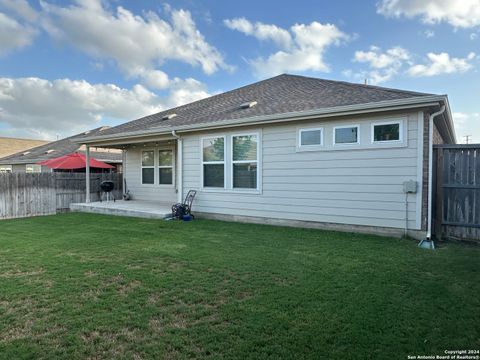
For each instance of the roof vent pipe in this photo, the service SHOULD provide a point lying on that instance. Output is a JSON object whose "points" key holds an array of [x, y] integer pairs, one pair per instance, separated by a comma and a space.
{"points": [[248, 105], [168, 116]]}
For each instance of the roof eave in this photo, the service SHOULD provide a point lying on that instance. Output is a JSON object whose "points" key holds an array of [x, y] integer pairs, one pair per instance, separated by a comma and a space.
{"points": [[390, 105]]}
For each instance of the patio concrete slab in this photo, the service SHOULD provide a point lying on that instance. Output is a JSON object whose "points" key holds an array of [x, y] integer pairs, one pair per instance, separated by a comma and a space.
{"points": [[134, 208]]}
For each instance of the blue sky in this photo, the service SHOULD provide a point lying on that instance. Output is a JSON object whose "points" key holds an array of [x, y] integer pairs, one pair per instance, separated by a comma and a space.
{"points": [[66, 66]]}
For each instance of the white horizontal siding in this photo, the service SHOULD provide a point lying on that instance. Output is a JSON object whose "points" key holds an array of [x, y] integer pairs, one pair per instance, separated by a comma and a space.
{"points": [[357, 186], [139, 191]]}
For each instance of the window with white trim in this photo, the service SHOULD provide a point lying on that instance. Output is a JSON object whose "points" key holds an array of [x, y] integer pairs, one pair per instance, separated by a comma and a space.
{"points": [[148, 167], [244, 161], [165, 167], [387, 131], [346, 135], [310, 137], [5, 168], [213, 162], [33, 168]]}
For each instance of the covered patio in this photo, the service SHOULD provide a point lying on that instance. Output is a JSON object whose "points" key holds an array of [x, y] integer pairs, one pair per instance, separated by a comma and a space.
{"points": [[152, 169], [134, 208]]}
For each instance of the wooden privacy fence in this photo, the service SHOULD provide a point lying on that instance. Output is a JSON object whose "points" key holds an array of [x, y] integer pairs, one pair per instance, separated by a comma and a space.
{"points": [[457, 192], [23, 195]]}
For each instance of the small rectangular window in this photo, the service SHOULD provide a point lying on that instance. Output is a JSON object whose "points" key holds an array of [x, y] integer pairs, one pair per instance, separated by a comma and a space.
{"points": [[244, 161], [346, 135], [33, 168], [148, 170], [386, 132], [311, 137], [5, 168], [213, 162], [165, 167]]}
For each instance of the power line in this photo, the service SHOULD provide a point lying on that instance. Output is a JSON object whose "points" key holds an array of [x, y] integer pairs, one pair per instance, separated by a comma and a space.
{"points": [[467, 138]]}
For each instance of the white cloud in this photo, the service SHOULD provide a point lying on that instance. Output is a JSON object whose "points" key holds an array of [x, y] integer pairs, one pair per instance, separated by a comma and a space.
{"points": [[304, 51], [441, 63], [20, 7], [460, 14], [41, 108], [429, 33], [279, 36], [467, 124], [473, 36], [137, 43], [14, 35], [393, 57], [383, 64]]}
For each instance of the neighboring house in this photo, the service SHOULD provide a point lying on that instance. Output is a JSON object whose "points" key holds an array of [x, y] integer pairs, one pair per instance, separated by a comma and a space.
{"points": [[26, 161], [9, 146], [291, 150]]}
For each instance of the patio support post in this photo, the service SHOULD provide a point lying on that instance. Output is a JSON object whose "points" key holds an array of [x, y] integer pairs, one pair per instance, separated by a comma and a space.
{"points": [[87, 174], [180, 169]]}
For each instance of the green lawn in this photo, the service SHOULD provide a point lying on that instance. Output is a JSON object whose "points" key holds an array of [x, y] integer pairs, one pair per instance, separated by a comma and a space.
{"points": [[91, 286]]}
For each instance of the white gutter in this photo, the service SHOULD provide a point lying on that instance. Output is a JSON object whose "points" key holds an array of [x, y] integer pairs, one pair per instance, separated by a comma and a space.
{"points": [[379, 106], [180, 166], [430, 169]]}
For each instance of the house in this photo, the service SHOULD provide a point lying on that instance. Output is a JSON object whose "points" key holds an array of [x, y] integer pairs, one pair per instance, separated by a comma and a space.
{"points": [[26, 160], [293, 150], [9, 146]]}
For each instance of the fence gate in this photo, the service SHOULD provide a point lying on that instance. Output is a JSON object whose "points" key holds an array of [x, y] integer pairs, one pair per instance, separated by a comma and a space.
{"points": [[457, 190]]}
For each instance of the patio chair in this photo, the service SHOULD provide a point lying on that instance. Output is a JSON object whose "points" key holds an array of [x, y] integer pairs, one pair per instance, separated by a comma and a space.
{"points": [[185, 208]]}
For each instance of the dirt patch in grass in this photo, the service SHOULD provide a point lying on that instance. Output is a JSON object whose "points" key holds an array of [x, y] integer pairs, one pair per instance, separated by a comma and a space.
{"points": [[19, 273]]}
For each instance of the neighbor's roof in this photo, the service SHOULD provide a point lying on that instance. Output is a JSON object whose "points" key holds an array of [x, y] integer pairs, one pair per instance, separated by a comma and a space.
{"points": [[278, 95], [9, 146], [60, 147]]}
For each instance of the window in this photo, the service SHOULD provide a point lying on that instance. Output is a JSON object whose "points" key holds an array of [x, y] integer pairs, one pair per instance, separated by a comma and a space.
{"points": [[33, 168], [386, 131], [310, 137], [346, 135], [5, 168], [148, 170], [244, 161], [165, 167], [213, 162]]}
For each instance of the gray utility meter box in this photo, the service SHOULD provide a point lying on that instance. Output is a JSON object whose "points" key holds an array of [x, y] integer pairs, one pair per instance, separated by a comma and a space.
{"points": [[410, 186]]}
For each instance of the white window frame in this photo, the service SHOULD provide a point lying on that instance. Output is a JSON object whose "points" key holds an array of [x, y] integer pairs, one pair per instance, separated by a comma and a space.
{"points": [[346, 127], [157, 155], [6, 169], [391, 122], [257, 161], [33, 171], [147, 167], [224, 162], [301, 147]]}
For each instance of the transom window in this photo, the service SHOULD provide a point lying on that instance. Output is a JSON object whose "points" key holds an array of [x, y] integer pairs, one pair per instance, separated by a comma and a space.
{"points": [[148, 167], [390, 131], [165, 167], [213, 162], [346, 135], [244, 161], [310, 137]]}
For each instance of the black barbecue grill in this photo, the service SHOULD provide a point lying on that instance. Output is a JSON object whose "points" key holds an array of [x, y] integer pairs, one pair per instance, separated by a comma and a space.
{"points": [[107, 187]]}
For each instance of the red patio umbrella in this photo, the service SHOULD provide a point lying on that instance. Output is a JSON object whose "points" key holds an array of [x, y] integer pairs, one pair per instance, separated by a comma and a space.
{"points": [[74, 161]]}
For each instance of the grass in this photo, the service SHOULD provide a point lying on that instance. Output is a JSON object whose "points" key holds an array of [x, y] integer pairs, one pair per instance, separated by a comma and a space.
{"points": [[90, 286]]}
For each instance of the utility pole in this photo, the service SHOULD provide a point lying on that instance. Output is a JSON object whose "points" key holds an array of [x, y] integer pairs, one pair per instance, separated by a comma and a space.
{"points": [[467, 138]]}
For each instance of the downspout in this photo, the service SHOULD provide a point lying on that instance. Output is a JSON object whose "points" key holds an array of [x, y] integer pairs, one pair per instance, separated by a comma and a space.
{"points": [[430, 171], [180, 165]]}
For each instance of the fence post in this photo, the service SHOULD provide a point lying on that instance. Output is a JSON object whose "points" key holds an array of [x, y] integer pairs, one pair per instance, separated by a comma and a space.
{"points": [[439, 194]]}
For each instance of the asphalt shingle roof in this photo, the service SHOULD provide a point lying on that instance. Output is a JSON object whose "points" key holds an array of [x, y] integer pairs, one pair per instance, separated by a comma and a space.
{"points": [[61, 147], [278, 95]]}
